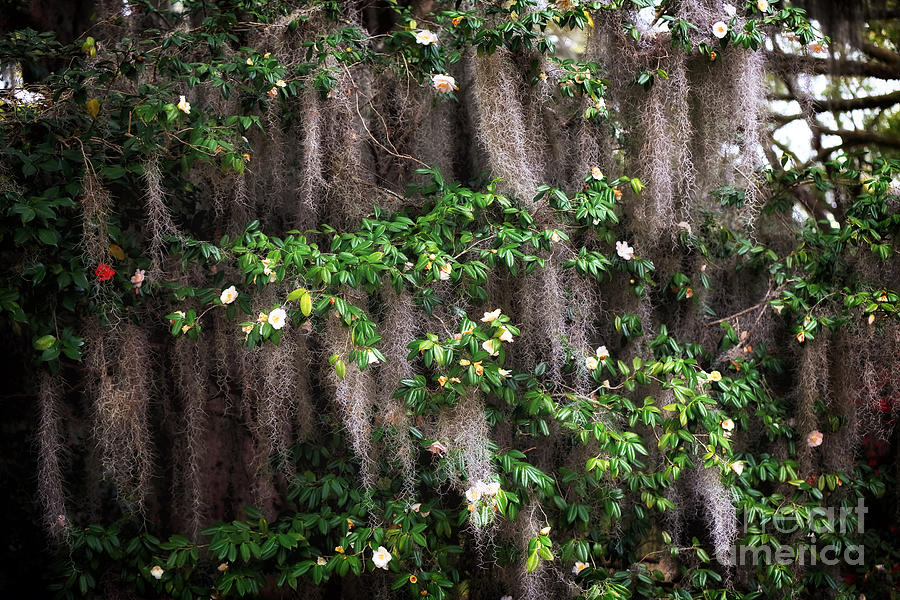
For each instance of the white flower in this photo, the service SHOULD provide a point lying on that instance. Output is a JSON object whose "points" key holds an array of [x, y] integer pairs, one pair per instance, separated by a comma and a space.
{"points": [[372, 357], [157, 572], [178, 7], [437, 448], [473, 494], [554, 236], [228, 295], [579, 567], [280, 83], [546, 530], [729, 9], [415, 507], [596, 173], [381, 558], [685, 225], [277, 318], [591, 363], [727, 424], [565, 5], [183, 105], [762, 5], [492, 489], [624, 250], [321, 561], [490, 317], [425, 37], [490, 347], [445, 272], [267, 270], [814, 438], [503, 373], [602, 353], [737, 466], [720, 29], [505, 335], [443, 83]]}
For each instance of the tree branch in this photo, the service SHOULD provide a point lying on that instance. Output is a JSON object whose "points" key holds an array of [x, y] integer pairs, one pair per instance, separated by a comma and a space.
{"points": [[844, 104], [795, 63]]}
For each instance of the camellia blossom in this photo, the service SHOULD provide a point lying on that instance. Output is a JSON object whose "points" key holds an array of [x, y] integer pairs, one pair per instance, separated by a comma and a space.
{"points": [[624, 251], [814, 438], [321, 561], [730, 10], [490, 317], [737, 466], [183, 105], [437, 448], [445, 272], [277, 318], [602, 353], [545, 530], [715, 376], [503, 372], [492, 488], [104, 272], [727, 424], [443, 83], [425, 37], [473, 494], [157, 572], [579, 567], [762, 5], [591, 363], [228, 295], [381, 558], [720, 29], [490, 347], [137, 280], [280, 83], [596, 173], [505, 335]]}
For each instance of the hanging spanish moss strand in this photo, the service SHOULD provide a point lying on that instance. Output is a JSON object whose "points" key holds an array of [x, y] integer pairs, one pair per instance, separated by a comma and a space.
{"points": [[192, 376], [159, 219], [812, 386], [95, 213], [51, 457], [398, 331], [278, 399], [497, 87], [312, 180], [721, 514], [120, 365], [355, 397]]}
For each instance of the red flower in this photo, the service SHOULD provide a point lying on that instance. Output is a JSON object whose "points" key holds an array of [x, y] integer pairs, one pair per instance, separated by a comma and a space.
{"points": [[104, 272]]}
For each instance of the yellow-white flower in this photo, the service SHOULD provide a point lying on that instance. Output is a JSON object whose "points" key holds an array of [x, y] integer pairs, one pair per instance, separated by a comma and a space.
{"points": [[730, 10], [503, 373], [183, 105], [727, 424], [624, 251], [321, 561], [280, 83], [381, 558], [545, 530], [762, 5], [425, 37], [602, 353], [579, 567], [719, 29], [554, 236], [473, 494], [505, 334], [372, 357], [591, 363], [596, 173], [157, 572], [737, 466], [445, 272], [814, 438], [490, 317], [492, 488], [277, 318], [444, 83], [715, 376], [250, 62], [491, 347], [228, 295]]}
